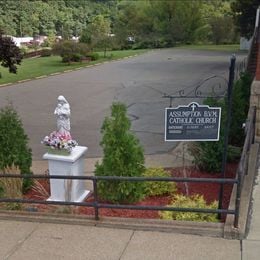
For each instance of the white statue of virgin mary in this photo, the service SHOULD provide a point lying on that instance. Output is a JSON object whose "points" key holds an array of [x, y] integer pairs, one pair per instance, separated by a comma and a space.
{"points": [[62, 112]]}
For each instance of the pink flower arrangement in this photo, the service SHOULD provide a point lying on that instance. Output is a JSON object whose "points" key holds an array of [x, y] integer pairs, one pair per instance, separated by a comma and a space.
{"points": [[59, 142]]}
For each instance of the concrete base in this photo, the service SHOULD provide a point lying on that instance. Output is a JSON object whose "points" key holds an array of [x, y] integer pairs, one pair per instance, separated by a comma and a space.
{"points": [[70, 165], [79, 199]]}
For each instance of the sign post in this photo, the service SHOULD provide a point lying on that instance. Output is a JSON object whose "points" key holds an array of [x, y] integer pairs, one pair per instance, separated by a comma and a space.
{"points": [[193, 122]]}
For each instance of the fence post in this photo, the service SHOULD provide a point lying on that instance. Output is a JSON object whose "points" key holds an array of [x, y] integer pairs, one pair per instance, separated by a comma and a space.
{"points": [[227, 127], [95, 198], [238, 196]]}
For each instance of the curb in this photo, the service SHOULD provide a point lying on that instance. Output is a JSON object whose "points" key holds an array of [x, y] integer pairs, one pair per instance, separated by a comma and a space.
{"points": [[169, 226]]}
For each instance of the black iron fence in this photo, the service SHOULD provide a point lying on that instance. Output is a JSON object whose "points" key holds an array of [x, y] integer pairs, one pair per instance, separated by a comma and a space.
{"points": [[96, 204]]}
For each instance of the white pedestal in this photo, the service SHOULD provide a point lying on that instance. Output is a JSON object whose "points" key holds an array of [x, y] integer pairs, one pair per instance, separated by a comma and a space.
{"points": [[70, 165]]}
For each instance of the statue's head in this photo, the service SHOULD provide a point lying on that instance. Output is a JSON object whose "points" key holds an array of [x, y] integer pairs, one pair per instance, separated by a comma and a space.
{"points": [[62, 99]]}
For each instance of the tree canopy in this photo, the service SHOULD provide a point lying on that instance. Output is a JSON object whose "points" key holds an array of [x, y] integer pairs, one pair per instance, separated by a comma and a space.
{"points": [[157, 23], [244, 12], [43, 17]]}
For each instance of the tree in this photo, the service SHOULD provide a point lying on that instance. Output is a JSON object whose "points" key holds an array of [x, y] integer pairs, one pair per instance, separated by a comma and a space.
{"points": [[123, 156], [222, 29], [97, 33], [14, 143], [158, 22], [244, 12], [63, 17], [219, 22], [10, 54]]}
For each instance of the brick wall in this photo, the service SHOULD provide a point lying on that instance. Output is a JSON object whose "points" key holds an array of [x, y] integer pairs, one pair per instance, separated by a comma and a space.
{"points": [[255, 101], [255, 94], [257, 76]]}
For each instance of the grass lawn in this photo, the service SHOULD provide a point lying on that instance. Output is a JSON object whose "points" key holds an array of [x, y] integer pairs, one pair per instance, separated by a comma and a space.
{"points": [[36, 67], [226, 47]]}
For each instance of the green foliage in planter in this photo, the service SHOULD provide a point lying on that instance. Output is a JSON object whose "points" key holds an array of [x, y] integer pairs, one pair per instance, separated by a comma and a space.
{"points": [[14, 143], [208, 155], [123, 156], [157, 188], [196, 201]]}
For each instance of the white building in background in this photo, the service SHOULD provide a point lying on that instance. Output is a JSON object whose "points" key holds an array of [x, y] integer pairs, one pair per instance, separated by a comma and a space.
{"points": [[75, 38], [245, 43], [28, 40], [20, 40], [40, 39]]}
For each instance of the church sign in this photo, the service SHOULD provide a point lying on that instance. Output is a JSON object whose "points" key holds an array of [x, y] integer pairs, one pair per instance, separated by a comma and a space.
{"points": [[193, 122]]}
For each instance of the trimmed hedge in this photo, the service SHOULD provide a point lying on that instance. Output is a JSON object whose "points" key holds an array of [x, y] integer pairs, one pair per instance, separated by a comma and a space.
{"points": [[123, 156]]}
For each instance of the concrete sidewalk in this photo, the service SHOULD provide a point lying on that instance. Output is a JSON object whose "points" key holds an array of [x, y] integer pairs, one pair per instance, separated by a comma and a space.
{"points": [[39, 241]]}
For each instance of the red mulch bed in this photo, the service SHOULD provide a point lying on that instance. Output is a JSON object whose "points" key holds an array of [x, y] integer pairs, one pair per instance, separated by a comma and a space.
{"points": [[208, 190]]}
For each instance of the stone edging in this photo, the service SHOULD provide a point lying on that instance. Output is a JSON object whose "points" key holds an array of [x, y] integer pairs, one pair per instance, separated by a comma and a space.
{"points": [[181, 227]]}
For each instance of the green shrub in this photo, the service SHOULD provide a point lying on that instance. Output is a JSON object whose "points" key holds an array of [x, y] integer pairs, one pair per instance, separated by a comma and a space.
{"points": [[70, 50], [196, 201], [94, 56], [14, 143], [240, 106], [208, 155], [66, 58], [23, 50], [76, 57], [46, 53], [123, 156], [157, 188]]}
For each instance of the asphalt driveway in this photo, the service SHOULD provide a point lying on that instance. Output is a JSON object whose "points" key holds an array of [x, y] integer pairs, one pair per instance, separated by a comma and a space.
{"points": [[140, 82]]}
